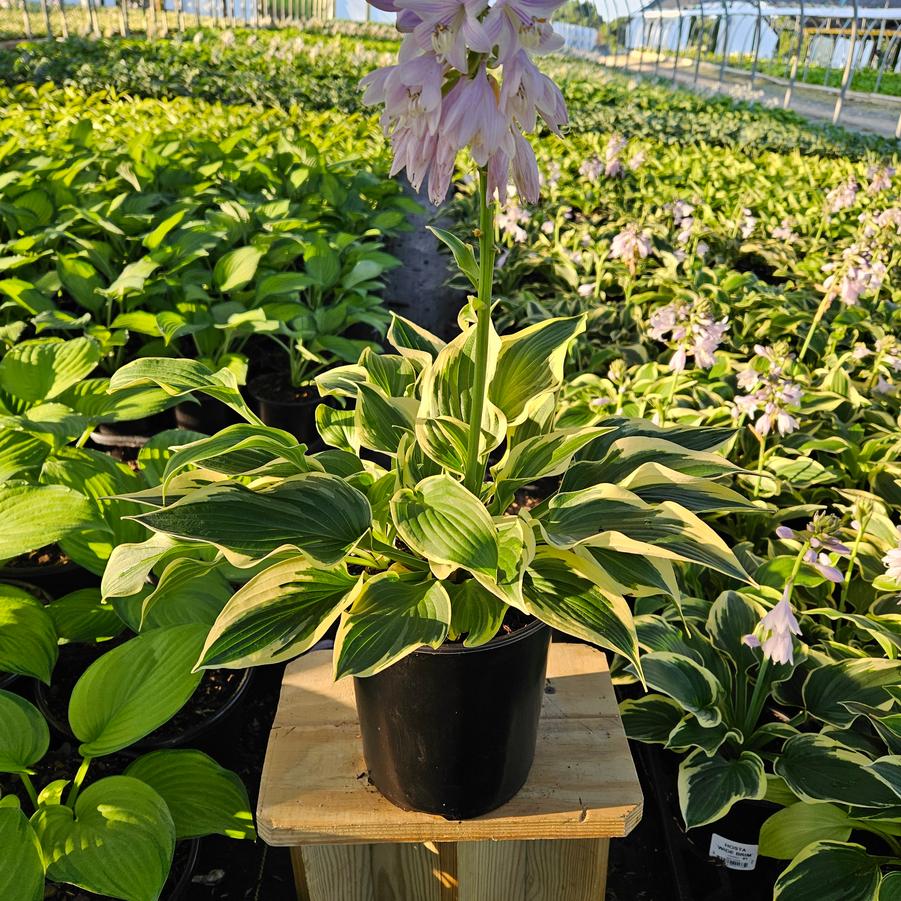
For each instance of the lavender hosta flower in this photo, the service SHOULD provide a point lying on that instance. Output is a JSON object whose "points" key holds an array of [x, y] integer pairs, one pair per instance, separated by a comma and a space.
{"points": [[547, 227], [449, 91], [702, 249], [552, 176], [691, 331], [771, 395], [860, 272], [820, 541], [880, 178], [748, 224], [613, 166], [585, 290], [842, 196], [631, 245], [591, 169], [510, 221], [892, 563], [637, 160], [775, 630], [784, 232]]}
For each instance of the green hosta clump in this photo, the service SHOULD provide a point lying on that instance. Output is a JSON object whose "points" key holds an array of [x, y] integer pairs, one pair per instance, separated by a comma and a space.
{"points": [[385, 532]]}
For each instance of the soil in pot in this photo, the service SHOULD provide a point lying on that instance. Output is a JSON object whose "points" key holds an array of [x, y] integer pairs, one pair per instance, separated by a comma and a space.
{"points": [[50, 570], [452, 731], [197, 724], [283, 406]]}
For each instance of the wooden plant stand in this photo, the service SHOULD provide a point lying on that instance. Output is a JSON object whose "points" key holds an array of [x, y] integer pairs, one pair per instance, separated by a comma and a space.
{"points": [[550, 842]]}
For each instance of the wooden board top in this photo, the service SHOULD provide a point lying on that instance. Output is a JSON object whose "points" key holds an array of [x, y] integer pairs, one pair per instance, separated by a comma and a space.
{"points": [[314, 788]]}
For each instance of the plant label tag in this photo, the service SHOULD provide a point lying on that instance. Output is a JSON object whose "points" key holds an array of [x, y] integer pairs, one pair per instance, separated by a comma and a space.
{"points": [[734, 855]]}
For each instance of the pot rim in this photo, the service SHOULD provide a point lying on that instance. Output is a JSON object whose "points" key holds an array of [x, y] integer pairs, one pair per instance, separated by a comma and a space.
{"points": [[511, 638], [253, 388]]}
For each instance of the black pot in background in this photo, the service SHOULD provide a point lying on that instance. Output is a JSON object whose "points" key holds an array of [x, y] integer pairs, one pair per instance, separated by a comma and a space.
{"points": [[207, 416], [181, 881], [452, 731], [124, 439], [53, 580], [282, 406]]}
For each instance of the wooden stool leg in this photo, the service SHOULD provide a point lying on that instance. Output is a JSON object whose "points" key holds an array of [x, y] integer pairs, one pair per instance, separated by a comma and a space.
{"points": [[333, 873]]}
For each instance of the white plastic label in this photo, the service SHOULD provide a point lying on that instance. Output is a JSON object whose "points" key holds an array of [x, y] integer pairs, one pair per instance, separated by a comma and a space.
{"points": [[734, 855]]}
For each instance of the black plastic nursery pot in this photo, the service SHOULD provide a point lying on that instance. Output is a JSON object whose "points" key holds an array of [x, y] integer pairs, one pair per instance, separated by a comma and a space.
{"points": [[204, 414], [452, 730], [282, 406], [52, 575]]}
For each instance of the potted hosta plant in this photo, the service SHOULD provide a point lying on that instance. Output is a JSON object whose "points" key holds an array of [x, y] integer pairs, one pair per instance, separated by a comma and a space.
{"points": [[403, 531]]}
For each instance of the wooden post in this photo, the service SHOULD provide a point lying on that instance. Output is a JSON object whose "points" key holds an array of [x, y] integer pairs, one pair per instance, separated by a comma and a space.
{"points": [[551, 842], [26, 20], [63, 20], [45, 12]]}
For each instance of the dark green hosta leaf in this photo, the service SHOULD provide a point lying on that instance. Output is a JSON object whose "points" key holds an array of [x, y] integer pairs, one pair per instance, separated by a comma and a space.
{"points": [[317, 513], [28, 639], [118, 841], [21, 866], [179, 378], [831, 871], [135, 688], [863, 681], [689, 733], [203, 797], [687, 682], [788, 831], [337, 428], [655, 483], [37, 515], [390, 618], [817, 768], [710, 786], [693, 438], [24, 736], [83, 616], [43, 368], [639, 575], [650, 719], [559, 591], [475, 613], [447, 524], [731, 617], [463, 254], [530, 363], [154, 456], [380, 421], [278, 614]]}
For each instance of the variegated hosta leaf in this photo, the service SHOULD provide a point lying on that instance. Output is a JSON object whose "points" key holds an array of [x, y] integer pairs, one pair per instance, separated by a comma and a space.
{"points": [[316, 513], [733, 616], [610, 517], [692, 438], [129, 565], [413, 341], [392, 616], [559, 592], [341, 381], [687, 682], [835, 871], [394, 375], [412, 465], [278, 614], [650, 719], [447, 385], [710, 786], [655, 483], [445, 440], [337, 428], [625, 455], [475, 613], [516, 550], [536, 458], [864, 681], [240, 448], [189, 591], [638, 575], [380, 420], [537, 418], [689, 734], [179, 378], [447, 524], [530, 362], [818, 768]]}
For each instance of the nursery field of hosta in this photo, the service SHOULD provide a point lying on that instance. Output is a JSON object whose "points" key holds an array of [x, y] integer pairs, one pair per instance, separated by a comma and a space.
{"points": [[196, 235]]}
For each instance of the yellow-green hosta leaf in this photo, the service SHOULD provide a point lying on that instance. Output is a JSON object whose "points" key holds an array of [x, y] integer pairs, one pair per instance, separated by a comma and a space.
{"points": [[687, 682], [24, 736], [37, 515], [20, 451], [28, 639], [118, 841], [179, 378], [236, 268], [655, 483], [129, 565], [558, 590], [516, 550], [279, 613], [188, 591], [710, 786], [21, 866], [475, 612], [832, 871], [43, 368], [413, 341], [381, 421], [317, 513], [83, 616], [392, 616], [447, 524], [530, 362], [788, 831], [203, 797], [135, 688]]}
